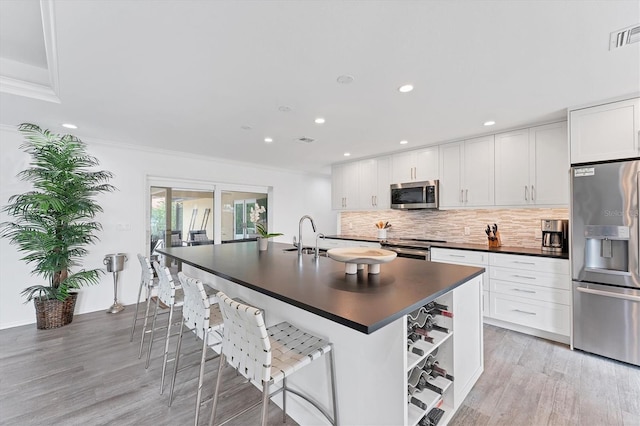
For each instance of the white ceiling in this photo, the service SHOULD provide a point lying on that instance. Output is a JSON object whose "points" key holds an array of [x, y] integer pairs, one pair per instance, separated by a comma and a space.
{"points": [[188, 75]]}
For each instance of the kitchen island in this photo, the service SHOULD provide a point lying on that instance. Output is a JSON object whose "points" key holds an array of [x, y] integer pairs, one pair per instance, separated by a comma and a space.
{"points": [[364, 316]]}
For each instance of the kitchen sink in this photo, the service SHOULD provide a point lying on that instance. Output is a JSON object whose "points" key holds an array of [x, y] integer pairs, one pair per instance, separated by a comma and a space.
{"points": [[306, 250]]}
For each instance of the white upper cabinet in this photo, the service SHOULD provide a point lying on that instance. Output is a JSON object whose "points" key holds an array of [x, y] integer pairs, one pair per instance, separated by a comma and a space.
{"points": [[605, 132], [361, 185], [415, 165], [344, 186], [512, 168], [532, 167], [467, 173], [549, 161], [374, 184]]}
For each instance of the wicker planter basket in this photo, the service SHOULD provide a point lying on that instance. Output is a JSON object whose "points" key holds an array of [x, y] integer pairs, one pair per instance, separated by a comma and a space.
{"points": [[54, 313]]}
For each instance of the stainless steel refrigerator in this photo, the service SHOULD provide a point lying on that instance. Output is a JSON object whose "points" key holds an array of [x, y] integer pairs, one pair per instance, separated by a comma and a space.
{"points": [[605, 259]]}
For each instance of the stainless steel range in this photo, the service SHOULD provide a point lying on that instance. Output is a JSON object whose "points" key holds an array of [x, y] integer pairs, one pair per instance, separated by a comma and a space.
{"points": [[413, 248]]}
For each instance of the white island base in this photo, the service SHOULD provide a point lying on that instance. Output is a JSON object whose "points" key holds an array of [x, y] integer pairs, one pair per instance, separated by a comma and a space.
{"points": [[371, 369]]}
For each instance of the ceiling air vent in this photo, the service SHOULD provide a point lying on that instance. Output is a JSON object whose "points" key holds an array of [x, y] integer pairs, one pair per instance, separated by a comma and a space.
{"points": [[624, 36], [305, 140]]}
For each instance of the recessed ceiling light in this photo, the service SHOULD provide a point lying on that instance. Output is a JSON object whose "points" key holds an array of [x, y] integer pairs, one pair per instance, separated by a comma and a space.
{"points": [[268, 140], [346, 154], [404, 142], [489, 123], [319, 120], [345, 79], [406, 88], [70, 126]]}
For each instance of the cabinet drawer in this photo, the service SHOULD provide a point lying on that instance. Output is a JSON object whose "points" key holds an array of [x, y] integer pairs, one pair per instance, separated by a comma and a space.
{"points": [[533, 292], [530, 263], [545, 316], [535, 278], [462, 257]]}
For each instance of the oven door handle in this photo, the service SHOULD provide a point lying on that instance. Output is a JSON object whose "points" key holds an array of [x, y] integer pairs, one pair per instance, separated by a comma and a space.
{"points": [[623, 296]]}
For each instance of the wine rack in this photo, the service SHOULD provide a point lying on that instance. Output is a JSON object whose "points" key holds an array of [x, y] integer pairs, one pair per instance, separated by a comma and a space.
{"points": [[429, 357]]}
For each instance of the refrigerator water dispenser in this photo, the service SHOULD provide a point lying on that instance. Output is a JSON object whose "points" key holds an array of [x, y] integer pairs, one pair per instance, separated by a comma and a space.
{"points": [[607, 249]]}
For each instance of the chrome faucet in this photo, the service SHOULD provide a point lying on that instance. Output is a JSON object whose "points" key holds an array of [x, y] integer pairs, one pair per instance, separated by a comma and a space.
{"points": [[313, 225], [317, 252]]}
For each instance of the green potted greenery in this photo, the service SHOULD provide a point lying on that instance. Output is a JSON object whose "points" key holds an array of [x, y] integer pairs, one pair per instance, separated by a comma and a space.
{"points": [[53, 222]]}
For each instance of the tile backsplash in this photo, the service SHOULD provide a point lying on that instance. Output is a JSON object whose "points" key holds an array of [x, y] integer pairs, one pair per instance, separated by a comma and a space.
{"points": [[518, 227]]}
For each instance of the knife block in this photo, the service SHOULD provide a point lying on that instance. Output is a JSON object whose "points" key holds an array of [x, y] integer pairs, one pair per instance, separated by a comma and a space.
{"points": [[495, 242]]}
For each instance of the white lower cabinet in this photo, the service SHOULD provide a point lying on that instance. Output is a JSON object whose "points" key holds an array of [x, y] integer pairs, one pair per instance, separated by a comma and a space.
{"points": [[532, 292], [444, 353], [467, 258]]}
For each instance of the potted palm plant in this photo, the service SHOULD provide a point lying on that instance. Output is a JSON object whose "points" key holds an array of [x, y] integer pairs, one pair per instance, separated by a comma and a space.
{"points": [[54, 222]]}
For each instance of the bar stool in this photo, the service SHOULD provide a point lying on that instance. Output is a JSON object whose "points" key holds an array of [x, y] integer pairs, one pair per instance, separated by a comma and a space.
{"points": [[204, 319], [268, 355], [146, 282], [172, 296]]}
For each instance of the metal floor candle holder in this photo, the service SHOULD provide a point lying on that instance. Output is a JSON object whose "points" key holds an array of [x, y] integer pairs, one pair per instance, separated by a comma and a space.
{"points": [[115, 264]]}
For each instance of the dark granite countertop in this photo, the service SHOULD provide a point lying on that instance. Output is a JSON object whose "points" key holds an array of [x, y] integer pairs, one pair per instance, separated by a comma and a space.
{"points": [[465, 246], [362, 302]]}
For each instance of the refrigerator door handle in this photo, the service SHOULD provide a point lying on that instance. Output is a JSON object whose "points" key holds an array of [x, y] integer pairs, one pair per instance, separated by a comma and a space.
{"points": [[623, 296]]}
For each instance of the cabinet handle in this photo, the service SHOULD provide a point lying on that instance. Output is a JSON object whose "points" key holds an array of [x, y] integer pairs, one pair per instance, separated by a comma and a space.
{"points": [[524, 312], [457, 255], [533, 193], [524, 291], [524, 276], [461, 195], [373, 204], [376, 201], [523, 263], [526, 193], [466, 195]]}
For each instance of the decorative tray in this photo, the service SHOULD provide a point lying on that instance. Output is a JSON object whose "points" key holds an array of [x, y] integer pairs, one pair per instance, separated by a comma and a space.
{"points": [[356, 257]]}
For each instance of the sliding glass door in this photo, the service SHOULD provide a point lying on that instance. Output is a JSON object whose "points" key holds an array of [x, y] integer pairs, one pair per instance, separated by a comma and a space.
{"points": [[236, 209], [181, 217]]}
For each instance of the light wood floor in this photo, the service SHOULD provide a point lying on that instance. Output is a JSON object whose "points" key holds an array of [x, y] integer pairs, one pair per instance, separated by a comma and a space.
{"points": [[88, 373], [531, 381]]}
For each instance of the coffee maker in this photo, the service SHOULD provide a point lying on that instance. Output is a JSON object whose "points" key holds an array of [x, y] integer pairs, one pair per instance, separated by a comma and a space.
{"points": [[554, 235]]}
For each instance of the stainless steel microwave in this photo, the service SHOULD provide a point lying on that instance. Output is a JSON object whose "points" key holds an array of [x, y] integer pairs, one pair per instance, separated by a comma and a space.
{"points": [[415, 195]]}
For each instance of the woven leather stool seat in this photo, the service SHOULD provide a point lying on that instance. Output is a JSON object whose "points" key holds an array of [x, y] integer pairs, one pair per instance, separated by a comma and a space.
{"points": [[268, 355]]}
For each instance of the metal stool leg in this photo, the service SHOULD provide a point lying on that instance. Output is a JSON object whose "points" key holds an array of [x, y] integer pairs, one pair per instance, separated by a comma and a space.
{"points": [[223, 360], [201, 376], [176, 361], [153, 328], [135, 315], [265, 402], [144, 324], [284, 400], [166, 349], [333, 387]]}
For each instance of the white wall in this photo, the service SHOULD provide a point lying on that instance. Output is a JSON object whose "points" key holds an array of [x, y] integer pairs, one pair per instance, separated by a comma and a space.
{"points": [[294, 195]]}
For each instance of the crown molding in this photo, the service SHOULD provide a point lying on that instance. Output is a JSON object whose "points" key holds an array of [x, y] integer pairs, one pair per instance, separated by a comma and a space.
{"points": [[28, 89], [41, 90]]}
